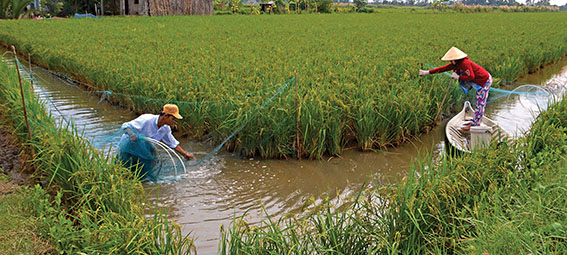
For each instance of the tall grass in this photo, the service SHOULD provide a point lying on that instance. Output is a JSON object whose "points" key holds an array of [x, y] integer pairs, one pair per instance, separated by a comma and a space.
{"points": [[363, 90], [104, 205], [506, 199]]}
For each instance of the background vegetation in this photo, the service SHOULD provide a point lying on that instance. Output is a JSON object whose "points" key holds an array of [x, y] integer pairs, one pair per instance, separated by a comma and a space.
{"points": [[15, 9]]}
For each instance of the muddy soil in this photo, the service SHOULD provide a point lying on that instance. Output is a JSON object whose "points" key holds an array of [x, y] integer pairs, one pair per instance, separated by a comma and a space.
{"points": [[11, 162]]}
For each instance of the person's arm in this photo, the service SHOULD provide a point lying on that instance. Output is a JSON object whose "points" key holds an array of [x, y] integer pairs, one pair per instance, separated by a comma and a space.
{"points": [[186, 155], [132, 127], [170, 141], [441, 69]]}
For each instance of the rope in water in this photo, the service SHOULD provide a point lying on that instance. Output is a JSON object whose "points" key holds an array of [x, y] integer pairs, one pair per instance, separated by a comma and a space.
{"points": [[217, 149], [106, 93], [28, 75]]}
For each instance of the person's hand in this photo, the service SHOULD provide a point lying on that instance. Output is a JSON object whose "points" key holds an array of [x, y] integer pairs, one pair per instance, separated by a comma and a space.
{"points": [[189, 156], [423, 72], [455, 76], [133, 138]]}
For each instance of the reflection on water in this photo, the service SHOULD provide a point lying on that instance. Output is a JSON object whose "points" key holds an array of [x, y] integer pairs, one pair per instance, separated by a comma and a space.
{"points": [[211, 194]]}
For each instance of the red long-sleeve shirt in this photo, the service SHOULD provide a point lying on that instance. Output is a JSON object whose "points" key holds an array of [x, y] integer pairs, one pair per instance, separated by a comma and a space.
{"points": [[467, 70]]}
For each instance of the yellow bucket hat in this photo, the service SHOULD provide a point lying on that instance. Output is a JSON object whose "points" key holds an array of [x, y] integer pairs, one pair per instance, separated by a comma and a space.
{"points": [[453, 54], [172, 109]]}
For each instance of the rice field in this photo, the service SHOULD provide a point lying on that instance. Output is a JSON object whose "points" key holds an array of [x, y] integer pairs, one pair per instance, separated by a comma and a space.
{"points": [[357, 73]]}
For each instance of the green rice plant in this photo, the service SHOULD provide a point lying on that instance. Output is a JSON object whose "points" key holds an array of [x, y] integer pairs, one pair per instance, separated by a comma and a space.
{"points": [[525, 218], [322, 230]]}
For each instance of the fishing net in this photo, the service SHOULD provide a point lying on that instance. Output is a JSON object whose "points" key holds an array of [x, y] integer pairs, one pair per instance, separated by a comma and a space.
{"points": [[531, 97], [149, 159], [138, 155], [519, 107]]}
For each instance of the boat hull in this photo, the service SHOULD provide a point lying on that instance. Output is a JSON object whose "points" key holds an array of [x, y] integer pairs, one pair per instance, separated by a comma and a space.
{"points": [[458, 140]]}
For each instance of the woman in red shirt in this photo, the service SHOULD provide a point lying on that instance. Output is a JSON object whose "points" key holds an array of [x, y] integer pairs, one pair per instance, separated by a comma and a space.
{"points": [[469, 74]]}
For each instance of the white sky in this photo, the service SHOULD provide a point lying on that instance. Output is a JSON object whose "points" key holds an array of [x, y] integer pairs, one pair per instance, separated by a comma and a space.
{"points": [[552, 2]]}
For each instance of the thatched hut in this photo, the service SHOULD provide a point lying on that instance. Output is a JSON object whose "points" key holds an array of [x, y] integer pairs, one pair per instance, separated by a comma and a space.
{"points": [[166, 7], [266, 6]]}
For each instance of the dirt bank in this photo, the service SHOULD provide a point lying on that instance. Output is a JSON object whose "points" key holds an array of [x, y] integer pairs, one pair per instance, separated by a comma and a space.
{"points": [[11, 161]]}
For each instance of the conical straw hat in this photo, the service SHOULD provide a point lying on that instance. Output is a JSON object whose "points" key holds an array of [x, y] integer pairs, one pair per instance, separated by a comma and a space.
{"points": [[453, 54]]}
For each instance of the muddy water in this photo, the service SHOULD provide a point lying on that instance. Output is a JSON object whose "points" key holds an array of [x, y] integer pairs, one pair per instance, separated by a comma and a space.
{"points": [[210, 194]]}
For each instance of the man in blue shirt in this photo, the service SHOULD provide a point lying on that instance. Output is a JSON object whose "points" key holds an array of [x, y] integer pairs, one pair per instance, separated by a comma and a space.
{"points": [[134, 150]]}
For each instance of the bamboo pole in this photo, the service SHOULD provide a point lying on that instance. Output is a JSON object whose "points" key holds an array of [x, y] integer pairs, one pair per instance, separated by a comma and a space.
{"points": [[297, 119], [23, 99]]}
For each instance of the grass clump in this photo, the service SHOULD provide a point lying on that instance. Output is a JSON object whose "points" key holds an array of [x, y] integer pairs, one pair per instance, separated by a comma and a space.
{"points": [[21, 231]]}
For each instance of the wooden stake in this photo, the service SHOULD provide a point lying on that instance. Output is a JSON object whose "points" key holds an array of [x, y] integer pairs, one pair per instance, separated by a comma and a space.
{"points": [[23, 99]]}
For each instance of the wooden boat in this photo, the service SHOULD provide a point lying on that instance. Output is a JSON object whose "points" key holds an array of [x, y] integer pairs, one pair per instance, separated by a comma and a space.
{"points": [[466, 140]]}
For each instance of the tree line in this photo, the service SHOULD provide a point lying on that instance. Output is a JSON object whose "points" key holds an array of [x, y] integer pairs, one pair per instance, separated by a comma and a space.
{"points": [[14, 9]]}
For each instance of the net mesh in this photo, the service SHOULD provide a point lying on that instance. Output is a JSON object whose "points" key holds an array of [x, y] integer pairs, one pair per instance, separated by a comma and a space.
{"points": [[138, 154], [529, 96]]}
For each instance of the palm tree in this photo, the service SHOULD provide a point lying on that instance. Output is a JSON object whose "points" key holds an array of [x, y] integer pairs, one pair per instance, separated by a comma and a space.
{"points": [[19, 8], [295, 4], [13, 9], [4, 11]]}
